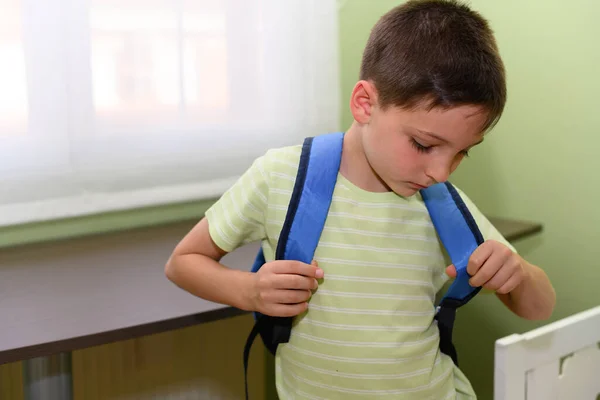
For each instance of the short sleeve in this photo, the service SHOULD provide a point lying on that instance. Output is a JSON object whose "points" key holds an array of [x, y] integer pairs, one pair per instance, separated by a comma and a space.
{"points": [[487, 229], [238, 217]]}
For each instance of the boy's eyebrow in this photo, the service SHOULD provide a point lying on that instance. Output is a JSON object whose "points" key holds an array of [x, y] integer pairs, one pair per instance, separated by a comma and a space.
{"points": [[433, 135], [441, 139]]}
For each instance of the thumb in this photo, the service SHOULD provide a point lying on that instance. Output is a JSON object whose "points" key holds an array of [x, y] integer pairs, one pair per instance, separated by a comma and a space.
{"points": [[451, 271], [319, 273]]}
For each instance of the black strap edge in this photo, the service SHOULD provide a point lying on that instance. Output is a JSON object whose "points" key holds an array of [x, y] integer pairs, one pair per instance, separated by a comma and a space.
{"points": [[445, 318], [446, 314], [451, 302], [464, 210], [295, 199]]}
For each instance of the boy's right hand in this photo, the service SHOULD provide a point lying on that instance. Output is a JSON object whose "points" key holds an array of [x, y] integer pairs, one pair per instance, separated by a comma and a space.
{"points": [[282, 288]]}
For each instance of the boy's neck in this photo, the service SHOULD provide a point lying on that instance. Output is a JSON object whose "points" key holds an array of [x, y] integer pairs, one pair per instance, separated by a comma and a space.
{"points": [[355, 166]]}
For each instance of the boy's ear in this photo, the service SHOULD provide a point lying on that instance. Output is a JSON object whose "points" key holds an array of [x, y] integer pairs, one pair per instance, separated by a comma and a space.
{"points": [[362, 101]]}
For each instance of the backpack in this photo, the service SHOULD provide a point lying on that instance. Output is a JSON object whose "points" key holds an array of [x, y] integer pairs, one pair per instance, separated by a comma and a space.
{"points": [[307, 211]]}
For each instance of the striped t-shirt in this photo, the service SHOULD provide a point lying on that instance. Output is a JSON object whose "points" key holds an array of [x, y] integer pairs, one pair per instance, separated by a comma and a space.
{"points": [[369, 331]]}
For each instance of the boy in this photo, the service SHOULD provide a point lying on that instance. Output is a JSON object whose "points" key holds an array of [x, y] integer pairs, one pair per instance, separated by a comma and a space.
{"points": [[431, 85]]}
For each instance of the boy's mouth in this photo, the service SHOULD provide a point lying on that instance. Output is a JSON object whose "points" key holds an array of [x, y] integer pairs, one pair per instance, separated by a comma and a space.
{"points": [[416, 185]]}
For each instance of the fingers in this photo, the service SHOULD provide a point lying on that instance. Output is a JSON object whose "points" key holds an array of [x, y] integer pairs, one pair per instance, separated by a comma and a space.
{"points": [[479, 257], [289, 296], [451, 271], [287, 310], [298, 268], [495, 267], [283, 287], [500, 277], [510, 284], [509, 280], [485, 272], [295, 275], [483, 265], [287, 281], [286, 303]]}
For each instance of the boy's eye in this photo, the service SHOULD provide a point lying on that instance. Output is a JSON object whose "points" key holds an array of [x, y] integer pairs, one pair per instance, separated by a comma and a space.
{"points": [[419, 147]]}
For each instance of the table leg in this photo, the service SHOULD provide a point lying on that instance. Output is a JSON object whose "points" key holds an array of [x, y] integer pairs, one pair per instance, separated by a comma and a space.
{"points": [[48, 378]]}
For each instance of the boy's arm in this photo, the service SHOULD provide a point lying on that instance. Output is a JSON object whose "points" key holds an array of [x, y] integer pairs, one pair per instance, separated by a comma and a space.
{"points": [[194, 266], [236, 218], [534, 298], [496, 266], [523, 287], [280, 288]]}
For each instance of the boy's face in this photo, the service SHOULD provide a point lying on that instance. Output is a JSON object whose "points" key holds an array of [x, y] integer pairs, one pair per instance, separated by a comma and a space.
{"points": [[412, 149]]}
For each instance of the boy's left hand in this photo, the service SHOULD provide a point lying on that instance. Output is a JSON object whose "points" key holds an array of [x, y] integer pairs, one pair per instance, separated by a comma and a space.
{"points": [[493, 266]]}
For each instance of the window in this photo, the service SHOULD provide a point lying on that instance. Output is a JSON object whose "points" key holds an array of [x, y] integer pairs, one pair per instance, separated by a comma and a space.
{"points": [[13, 104], [148, 60], [113, 104]]}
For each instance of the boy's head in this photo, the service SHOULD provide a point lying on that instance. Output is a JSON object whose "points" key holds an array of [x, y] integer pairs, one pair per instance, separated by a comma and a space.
{"points": [[429, 66]]}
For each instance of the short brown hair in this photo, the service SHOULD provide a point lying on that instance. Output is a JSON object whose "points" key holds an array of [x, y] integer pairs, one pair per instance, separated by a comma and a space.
{"points": [[439, 52]]}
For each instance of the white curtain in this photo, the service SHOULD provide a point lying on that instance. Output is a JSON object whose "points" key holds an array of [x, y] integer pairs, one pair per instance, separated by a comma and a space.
{"points": [[114, 104]]}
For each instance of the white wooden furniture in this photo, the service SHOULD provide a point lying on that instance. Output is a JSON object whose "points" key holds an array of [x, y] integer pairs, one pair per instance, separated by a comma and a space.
{"points": [[559, 361]]}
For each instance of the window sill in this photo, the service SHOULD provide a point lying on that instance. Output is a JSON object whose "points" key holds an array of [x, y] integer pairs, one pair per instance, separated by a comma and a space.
{"points": [[77, 216], [21, 234]]}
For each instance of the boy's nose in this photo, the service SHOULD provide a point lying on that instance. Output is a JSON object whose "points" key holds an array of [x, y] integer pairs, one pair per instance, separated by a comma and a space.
{"points": [[439, 173]]}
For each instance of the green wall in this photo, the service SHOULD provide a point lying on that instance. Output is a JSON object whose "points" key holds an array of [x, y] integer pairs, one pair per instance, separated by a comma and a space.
{"points": [[538, 164]]}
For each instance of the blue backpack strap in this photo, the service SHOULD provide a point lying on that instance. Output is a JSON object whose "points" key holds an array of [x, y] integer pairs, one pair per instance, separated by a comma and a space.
{"points": [[299, 239], [306, 214], [460, 236]]}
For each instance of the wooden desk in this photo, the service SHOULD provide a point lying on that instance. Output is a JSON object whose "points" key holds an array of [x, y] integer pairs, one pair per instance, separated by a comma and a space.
{"points": [[58, 297]]}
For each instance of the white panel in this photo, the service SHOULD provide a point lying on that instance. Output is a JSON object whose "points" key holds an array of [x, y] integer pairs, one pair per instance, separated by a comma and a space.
{"points": [[528, 366], [580, 377], [541, 382]]}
